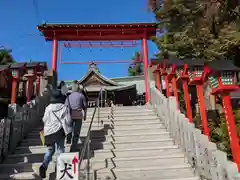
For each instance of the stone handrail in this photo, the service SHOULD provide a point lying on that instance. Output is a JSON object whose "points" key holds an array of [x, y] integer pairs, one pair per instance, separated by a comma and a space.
{"points": [[204, 157], [20, 121]]}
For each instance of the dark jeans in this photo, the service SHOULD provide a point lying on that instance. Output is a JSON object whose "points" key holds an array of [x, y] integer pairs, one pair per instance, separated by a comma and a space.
{"points": [[57, 146], [75, 135]]}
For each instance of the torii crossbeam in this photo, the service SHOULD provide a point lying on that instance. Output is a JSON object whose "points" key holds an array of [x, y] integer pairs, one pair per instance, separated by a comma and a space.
{"points": [[100, 32]]}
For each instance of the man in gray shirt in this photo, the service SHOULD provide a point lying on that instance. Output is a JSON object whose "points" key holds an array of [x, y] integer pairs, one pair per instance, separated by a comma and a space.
{"points": [[78, 109]]}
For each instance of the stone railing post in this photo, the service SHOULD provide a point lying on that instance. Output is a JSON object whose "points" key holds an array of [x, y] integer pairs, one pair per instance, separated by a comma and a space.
{"points": [[20, 121]]}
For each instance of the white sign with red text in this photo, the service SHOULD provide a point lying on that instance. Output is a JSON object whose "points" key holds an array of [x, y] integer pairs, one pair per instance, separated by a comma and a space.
{"points": [[67, 166]]}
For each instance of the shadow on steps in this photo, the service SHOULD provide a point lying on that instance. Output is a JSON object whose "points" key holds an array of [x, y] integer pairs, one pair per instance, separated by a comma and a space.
{"points": [[27, 158]]}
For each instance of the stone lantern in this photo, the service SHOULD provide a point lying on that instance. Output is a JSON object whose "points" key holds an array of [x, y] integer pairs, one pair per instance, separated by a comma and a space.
{"points": [[18, 70], [223, 79]]}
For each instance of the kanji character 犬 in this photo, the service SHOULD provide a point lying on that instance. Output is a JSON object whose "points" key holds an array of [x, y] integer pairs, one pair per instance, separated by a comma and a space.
{"points": [[65, 171]]}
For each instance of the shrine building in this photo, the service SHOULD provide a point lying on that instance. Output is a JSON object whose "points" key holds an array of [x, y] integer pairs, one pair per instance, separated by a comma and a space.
{"points": [[122, 90]]}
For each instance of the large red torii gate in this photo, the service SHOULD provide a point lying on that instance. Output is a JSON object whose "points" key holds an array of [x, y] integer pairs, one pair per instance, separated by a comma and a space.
{"points": [[100, 32]]}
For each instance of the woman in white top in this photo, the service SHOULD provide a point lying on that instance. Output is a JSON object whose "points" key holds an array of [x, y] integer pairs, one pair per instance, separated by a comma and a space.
{"points": [[57, 124]]}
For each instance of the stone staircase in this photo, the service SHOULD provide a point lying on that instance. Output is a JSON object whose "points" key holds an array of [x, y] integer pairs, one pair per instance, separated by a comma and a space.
{"points": [[133, 145], [137, 146]]}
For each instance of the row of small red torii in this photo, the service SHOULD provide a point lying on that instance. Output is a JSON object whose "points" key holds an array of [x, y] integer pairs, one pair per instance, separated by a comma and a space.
{"points": [[32, 71], [197, 73]]}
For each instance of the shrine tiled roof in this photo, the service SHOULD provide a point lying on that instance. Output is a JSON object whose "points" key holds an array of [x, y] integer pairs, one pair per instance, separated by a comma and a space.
{"points": [[223, 65], [129, 25], [109, 81]]}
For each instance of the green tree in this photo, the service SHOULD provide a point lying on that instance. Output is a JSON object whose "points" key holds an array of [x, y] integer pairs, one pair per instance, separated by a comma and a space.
{"points": [[201, 28], [131, 71], [5, 56], [137, 67]]}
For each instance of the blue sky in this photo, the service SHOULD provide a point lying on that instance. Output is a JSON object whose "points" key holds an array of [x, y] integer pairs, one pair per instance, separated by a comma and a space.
{"points": [[21, 17]]}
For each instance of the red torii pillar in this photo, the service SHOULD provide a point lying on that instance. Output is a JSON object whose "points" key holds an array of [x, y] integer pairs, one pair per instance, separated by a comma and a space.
{"points": [[145, 61], [54, 54]]}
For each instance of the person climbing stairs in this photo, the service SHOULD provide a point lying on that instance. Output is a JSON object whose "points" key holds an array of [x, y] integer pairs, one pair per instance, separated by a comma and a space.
{"points": [[133, 144]]}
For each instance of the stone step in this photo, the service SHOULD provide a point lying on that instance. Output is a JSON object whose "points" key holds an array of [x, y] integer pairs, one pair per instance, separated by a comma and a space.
{"points": [[116, 114], [141, 174], [100, 155], [35, 176], [132, 107], [23, 176], [103, 145], [137, 152], [35, 140], [85, 125], [24, 167], [122, 110], [32, 141], [118, 127], [100, 132], [35, 149], [132, 122], [94, 133], [136, 137], [119, 118], [129, 112], [129, 132], [137, 144], [122, 117], [138, 162], [83, 130], [178, 172]]}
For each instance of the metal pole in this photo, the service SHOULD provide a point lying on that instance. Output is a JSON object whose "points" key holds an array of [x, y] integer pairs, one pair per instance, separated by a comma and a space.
{"points": [[98, 111], [88, 159], [101, 97]]}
